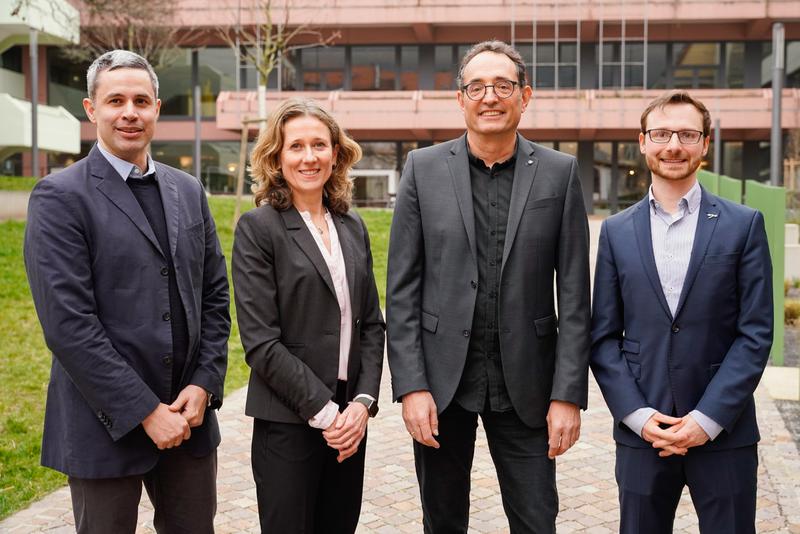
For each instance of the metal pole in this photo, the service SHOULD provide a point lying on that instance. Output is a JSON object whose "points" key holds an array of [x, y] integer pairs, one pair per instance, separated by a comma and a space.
{"points": [[197, 151], [33, 52], [776, 139], [717, 148]]}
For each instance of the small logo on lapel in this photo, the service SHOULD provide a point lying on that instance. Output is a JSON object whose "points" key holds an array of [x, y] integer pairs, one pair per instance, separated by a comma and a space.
{"points": [[529, 162], [712, 215]]}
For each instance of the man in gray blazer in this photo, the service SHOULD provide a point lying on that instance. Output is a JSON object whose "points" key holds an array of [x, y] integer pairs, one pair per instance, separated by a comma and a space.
{"points": [[481, 226], [130, 286]]}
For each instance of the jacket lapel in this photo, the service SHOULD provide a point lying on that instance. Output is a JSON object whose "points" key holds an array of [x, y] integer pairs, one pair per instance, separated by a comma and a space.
{"points": [[348, 252], [524, 173], [702, 237], [459, 172], [171, 203], [297, 228], [114, 188], [644, 240]]}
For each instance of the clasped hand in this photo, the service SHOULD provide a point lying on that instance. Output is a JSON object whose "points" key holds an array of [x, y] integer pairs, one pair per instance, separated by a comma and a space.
{"points": [[680, 434], [170, 425], [347, 430]]}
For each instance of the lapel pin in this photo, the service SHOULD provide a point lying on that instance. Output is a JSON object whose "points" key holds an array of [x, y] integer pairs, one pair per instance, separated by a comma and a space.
{"points": [[712, 215], [530, 162]]}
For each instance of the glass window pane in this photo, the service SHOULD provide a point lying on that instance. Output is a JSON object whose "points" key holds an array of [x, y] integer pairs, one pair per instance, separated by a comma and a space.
{"points": [[373, 68], [324, 57], [545, 53], [610, 52], [734, 63], [793, 64], [567, 53], [444, 67], [67, 82], [732, 159], [217, 73], [409, 74], [545, 78], [567, 77], [634, 52], [634, 75], [11, 59], [611, 76], [657, 65], [175, 86], [696, 54]]}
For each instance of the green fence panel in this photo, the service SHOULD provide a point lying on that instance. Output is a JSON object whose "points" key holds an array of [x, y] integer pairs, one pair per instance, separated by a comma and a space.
{"points": [[709, 180], [730, 188], [771, 201]]}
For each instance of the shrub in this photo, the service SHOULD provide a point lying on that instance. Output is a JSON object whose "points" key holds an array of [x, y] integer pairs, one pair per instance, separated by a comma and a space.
{"points": [[791, 311]]}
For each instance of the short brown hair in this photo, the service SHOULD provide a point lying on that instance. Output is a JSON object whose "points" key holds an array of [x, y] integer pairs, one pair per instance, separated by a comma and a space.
{"points": [[677, 97], [270, 186], [498, 47]]}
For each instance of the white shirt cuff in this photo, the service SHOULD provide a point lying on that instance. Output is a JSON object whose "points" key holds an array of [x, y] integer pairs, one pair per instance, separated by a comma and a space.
{"points": [[637, 419], [711, 427], [364, 396], [325, 417]]}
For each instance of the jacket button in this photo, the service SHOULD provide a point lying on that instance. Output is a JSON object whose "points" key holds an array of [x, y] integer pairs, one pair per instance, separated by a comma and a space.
{"points": [[466, 333], [166, 316], [474, 284], [358, 322], [164, 271], [167, 360], [675, 329]]}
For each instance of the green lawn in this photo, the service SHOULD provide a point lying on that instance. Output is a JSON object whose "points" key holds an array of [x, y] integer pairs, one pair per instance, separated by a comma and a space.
{"points": [[26, 362], [16, 183]]}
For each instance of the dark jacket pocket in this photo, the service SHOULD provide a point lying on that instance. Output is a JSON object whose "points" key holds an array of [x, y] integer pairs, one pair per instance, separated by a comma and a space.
{"points": [[429, 322], [546, 326], [721, 259]]}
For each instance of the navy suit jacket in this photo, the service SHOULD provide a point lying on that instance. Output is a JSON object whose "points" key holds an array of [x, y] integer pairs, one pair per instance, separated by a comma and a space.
{"points": [[95, 271], [711, 354]]}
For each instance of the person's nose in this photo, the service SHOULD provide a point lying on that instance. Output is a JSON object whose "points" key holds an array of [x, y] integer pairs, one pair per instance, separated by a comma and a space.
{"points": [[308, 154], [129, 111], [490, 95], [674, 143]]}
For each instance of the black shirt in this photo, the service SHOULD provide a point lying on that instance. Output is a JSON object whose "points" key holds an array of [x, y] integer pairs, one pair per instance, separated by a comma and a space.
{"points": [[482, 385]]}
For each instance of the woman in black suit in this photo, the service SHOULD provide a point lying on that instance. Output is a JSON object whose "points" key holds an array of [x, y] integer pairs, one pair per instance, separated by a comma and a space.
{"points": [[310, 323]]}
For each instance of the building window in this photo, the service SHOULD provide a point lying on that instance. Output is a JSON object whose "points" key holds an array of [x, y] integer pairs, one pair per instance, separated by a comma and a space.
{"points": [[11, 59], [217, 73], [66, 82], [373, 68], [175, 86], [218, 164], [409, 68], [445, 67], [618, 71], [323, 68], [547, 66], [695, 65]]}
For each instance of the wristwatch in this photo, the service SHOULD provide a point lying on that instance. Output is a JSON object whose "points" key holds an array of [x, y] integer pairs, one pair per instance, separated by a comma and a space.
{"points": [[371, 404]]}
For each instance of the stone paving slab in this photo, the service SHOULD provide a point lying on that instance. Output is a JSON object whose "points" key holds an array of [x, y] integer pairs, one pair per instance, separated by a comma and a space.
{"points": [[587, 490]]}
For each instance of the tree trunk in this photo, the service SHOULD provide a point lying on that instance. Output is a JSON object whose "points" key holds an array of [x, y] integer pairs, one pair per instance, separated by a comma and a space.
{"points": [[262, 106]]}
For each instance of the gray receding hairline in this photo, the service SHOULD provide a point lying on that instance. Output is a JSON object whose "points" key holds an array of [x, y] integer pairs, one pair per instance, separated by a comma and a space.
{"points": [[118, 59], [497, 47]]}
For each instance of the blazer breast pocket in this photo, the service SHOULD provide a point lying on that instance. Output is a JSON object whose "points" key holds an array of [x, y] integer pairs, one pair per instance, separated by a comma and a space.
{"points": [[721, 259], [541, 203]]}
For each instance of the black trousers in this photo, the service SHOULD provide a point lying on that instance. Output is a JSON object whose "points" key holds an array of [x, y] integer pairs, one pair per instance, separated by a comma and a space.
{"points": [[182, 488], [527, 476], [722, 485], [300, 486]]}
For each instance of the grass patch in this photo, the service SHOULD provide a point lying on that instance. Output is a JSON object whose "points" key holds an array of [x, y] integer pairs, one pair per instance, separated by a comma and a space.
{"points": [[17, 183], [26, 361]]}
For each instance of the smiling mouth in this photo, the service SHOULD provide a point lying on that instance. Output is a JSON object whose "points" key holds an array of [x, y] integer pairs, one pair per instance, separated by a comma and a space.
{"points": [[491, 113], [308, 172], [673, 161]]}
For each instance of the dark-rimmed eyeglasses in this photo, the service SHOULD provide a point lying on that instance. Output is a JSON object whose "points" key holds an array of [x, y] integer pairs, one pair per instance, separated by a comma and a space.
{"points": [[477, 90], [686, 137]]}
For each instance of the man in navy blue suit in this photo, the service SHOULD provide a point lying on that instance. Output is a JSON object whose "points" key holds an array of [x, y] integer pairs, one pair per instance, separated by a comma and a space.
{"points": [[681, 332], [130, 286]]}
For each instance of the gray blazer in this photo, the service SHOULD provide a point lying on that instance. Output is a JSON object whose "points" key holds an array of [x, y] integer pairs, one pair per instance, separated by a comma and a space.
{"points": [[95, 271], [289, 317], [432, 279]]}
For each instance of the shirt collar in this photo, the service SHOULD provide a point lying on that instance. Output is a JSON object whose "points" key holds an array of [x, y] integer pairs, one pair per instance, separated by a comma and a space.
{"points": [[689, 202], [123, 167], [475, 160]]}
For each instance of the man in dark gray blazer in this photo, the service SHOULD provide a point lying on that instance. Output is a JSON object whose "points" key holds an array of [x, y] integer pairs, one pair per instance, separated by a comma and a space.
{"points": [[130, 286], [482, 225]]}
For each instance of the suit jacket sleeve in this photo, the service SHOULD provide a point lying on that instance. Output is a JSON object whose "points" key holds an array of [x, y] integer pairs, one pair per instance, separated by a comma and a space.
{"points": [[59, 266], [570, 379], [255, 284], [215, 321], [404, 290], [734, 383], [615, 379], [372, 335]]}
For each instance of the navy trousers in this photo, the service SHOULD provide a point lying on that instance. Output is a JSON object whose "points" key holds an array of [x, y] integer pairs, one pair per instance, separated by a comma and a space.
{"points": [[722, 485]]}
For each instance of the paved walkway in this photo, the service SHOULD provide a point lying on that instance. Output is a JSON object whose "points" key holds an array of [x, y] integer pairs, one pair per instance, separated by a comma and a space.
{"points": [[13, 205], [391, 504]]}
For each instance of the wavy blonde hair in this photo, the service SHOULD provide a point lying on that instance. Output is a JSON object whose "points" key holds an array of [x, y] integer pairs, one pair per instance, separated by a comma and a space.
{"points": [[270, 186]]}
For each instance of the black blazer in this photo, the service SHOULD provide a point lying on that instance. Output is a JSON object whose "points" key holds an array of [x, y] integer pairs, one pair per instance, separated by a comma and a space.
{"points": [[289, 317], [95, 271], [433, 272]]}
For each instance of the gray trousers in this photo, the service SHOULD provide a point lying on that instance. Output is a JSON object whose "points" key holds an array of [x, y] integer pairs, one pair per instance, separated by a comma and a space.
{"points": [[182, 488]]}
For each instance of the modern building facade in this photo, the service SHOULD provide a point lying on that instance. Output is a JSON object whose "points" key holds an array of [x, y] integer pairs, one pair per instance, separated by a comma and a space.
{"points": [[389, 77]]}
